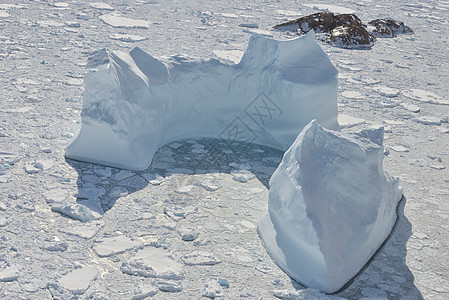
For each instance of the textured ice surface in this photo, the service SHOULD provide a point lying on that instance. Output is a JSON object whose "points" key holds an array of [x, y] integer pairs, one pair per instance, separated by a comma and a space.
{"points": [[78, 281], [153, 262], [114, 245], [330, 206], [134, 103]]}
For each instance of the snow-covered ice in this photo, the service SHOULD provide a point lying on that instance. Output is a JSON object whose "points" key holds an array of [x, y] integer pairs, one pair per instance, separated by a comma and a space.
{"points": [[425, 96], [330, 206], [200, 258], [118, 21], [114, 245], [78, 281], [153, 262], [134, 103]]}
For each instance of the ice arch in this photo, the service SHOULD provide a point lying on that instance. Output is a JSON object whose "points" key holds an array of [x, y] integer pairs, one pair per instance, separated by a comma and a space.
{"points": [[134, 103]]}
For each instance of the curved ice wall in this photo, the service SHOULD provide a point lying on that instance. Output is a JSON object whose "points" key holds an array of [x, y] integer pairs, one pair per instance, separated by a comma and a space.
{"points": [[134, 103]]}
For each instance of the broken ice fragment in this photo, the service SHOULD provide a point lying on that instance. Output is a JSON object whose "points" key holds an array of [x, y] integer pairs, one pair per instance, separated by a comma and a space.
{"points": [[200, 258], [425, 96], [127, 37], [101, 5], [347, 121], [188, 234], [75, 211], [114, 245], [78, 281], [242, 175], [330, 206], [169, 286], [153, 262], [82, 230], [118, 21], [212, 289], [144, 291], [9, 274], [428, 120]]}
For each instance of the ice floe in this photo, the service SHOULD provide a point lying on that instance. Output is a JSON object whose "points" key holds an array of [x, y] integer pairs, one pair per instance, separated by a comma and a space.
{"points": [[425, 96], [118, 21]]}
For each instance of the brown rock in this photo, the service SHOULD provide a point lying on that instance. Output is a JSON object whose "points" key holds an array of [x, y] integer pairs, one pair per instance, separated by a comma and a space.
{"points": [[322, 22], [388, 28], [351, 37]]}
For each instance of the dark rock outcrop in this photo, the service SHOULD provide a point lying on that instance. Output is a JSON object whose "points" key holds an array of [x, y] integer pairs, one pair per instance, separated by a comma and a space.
{"points": [[388, 28], [351, 36], [323, 22], [345, 30]]}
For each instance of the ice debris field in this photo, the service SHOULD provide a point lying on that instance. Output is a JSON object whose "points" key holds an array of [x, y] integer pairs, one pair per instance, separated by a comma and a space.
{"points": [[205, 174]]}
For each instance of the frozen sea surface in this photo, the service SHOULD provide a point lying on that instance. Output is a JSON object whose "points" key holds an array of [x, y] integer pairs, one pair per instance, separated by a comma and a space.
{"points": [[203, 190]]}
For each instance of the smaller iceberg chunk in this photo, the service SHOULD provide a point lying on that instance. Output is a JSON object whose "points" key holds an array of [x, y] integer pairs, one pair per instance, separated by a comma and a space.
{"points": [[330, 207]]}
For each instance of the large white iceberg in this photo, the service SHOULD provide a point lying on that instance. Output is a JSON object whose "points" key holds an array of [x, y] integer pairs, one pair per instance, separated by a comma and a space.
{"points": [[330, 206], [134, 103]]}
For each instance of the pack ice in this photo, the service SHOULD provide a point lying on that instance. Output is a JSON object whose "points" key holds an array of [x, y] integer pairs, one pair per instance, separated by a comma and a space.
{"points": [[330, 206], [134, 103]]}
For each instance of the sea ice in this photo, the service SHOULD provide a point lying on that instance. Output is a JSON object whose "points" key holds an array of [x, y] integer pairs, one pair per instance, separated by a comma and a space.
{"points": [[134, 103], [330, 206], [78, 281], [114, 245], [331, 8], [347, 121], [101, 5], [169, 286], [127, 37], [75, 211], [9, 274], [153, 262], [425, 96], [118, 21], [200, 258]]}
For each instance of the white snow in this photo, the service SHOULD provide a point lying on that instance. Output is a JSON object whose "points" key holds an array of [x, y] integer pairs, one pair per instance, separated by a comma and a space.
{"points": [[124, 118], [79, 280], [330, 206]]}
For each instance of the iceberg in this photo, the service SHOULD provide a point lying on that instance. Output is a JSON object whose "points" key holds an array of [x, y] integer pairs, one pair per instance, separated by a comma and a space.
{"points": [[134, 103], [330, 206]]}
